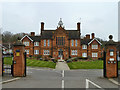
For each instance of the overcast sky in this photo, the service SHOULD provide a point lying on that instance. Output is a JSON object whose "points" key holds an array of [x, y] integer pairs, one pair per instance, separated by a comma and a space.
{"points": [[98, 17]]}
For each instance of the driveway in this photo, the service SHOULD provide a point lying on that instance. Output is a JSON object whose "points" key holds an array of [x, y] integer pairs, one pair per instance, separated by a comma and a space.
{"points": [[83, 78]]}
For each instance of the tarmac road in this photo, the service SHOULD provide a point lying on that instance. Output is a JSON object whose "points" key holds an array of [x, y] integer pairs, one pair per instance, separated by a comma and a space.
{"points": [[41, 78]]}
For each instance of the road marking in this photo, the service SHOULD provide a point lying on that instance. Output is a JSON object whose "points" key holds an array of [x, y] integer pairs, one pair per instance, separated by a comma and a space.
{"points": [[87, 84], [63, 84], [63, 74], [10, 80], [115, 82]]}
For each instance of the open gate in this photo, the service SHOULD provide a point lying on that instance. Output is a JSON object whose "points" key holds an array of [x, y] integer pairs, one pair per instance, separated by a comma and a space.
{"points": [[8, 65]]}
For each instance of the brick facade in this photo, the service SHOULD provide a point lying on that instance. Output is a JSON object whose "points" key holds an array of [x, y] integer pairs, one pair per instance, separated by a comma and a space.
{"points": [[70, 43]]}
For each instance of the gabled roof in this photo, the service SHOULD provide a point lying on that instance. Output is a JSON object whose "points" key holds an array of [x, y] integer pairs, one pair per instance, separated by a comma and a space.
{"points": [[85, 41], [27, 37], [47, 34], [35, 38], [93, 40], [32, 38], [73, 34], [89, 41]]}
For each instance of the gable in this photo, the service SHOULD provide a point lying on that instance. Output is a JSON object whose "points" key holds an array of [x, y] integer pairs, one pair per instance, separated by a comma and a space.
{"points": [[93, 40], [27, 37]]}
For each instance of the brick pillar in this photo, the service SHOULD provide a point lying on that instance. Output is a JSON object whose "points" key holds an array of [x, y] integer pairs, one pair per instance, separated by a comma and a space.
{"points": [[111, 59], [19, 60]]}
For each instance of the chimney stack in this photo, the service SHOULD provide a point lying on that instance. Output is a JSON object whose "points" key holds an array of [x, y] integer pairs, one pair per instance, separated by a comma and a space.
{"points": [[93, 35], [32, 33], [87, 36], [78, 26], [42, 26]]}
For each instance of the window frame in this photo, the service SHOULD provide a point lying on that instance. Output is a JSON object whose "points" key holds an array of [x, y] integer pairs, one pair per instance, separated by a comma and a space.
{"points": [[84, 46], [36, 52], [76, 42], [36, 43], [26, 43], [94, 54], [84, 54], [94, 46], [72, 42], [44, 42]]}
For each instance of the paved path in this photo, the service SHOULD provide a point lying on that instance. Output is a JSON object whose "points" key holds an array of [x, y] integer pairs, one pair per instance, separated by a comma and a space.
{"points": [[62, 66]]}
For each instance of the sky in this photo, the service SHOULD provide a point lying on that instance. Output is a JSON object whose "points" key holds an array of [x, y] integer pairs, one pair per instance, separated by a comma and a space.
{"points": [[98, 17]]}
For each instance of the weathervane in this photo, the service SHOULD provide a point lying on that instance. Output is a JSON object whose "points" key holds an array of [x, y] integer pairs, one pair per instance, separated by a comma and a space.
{"points": [[60, 22]]}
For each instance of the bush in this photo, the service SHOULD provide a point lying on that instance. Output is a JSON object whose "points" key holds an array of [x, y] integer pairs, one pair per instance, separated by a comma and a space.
{"points": [[69, 56], [38, 57], [68, 61], [50, 56]]}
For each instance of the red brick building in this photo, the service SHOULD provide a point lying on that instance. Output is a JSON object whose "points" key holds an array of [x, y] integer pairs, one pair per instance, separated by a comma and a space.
{"points": [[62, 43]]}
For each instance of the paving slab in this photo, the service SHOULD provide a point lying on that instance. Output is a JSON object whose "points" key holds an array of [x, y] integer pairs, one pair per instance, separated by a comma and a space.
{"points": [[62, 66]]}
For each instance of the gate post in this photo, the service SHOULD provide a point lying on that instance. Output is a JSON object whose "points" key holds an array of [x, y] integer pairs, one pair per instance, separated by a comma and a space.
{"points": [[18, 60], [110, 62]]}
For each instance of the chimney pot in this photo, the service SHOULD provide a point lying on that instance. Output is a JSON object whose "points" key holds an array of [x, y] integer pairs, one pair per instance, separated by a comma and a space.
{"points": [[93, 35], [87, 36], [42, 26], [32, 33]]}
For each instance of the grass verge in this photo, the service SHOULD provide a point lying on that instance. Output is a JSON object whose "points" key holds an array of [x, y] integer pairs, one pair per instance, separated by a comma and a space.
{"points": [[33, 63], [98, 64]]}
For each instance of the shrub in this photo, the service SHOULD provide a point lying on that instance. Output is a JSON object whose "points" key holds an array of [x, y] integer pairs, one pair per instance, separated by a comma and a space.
{"points": [[50, 56], [68, 61], [39, 56], [69, 56]]}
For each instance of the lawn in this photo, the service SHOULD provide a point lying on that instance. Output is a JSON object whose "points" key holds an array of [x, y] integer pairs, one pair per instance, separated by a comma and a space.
{"points": [[119, 65], [33, 63], [98, 64]]}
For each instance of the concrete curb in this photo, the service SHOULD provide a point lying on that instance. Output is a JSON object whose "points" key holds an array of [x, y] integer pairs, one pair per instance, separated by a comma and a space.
{"points": [[11, 80], [113, 81]]}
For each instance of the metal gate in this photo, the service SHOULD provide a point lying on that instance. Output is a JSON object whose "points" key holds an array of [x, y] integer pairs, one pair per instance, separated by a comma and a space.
{"points": [[8, 65]]}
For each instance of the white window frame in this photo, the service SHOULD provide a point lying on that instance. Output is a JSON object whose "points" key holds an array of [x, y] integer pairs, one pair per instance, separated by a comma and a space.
{"points": [[27, 51], [75, 42], [84, 46], [84, 54], [111, 53], [44, 42], [94, 54], [73, 52], [26, 43], [46, 52], [48, 42], [36, 43], [95, 46], [36, 52], [72, 42]]}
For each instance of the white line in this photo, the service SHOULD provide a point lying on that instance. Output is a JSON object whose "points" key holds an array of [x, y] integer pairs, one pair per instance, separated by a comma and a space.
{"points": [[87, 84], [63, 74], [9, 80], [62, 83], [115, 82]]}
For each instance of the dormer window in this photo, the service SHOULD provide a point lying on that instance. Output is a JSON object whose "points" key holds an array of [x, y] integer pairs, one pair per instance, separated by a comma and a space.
{"points": [[94, 46], [84, 46], [36, 43]]}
